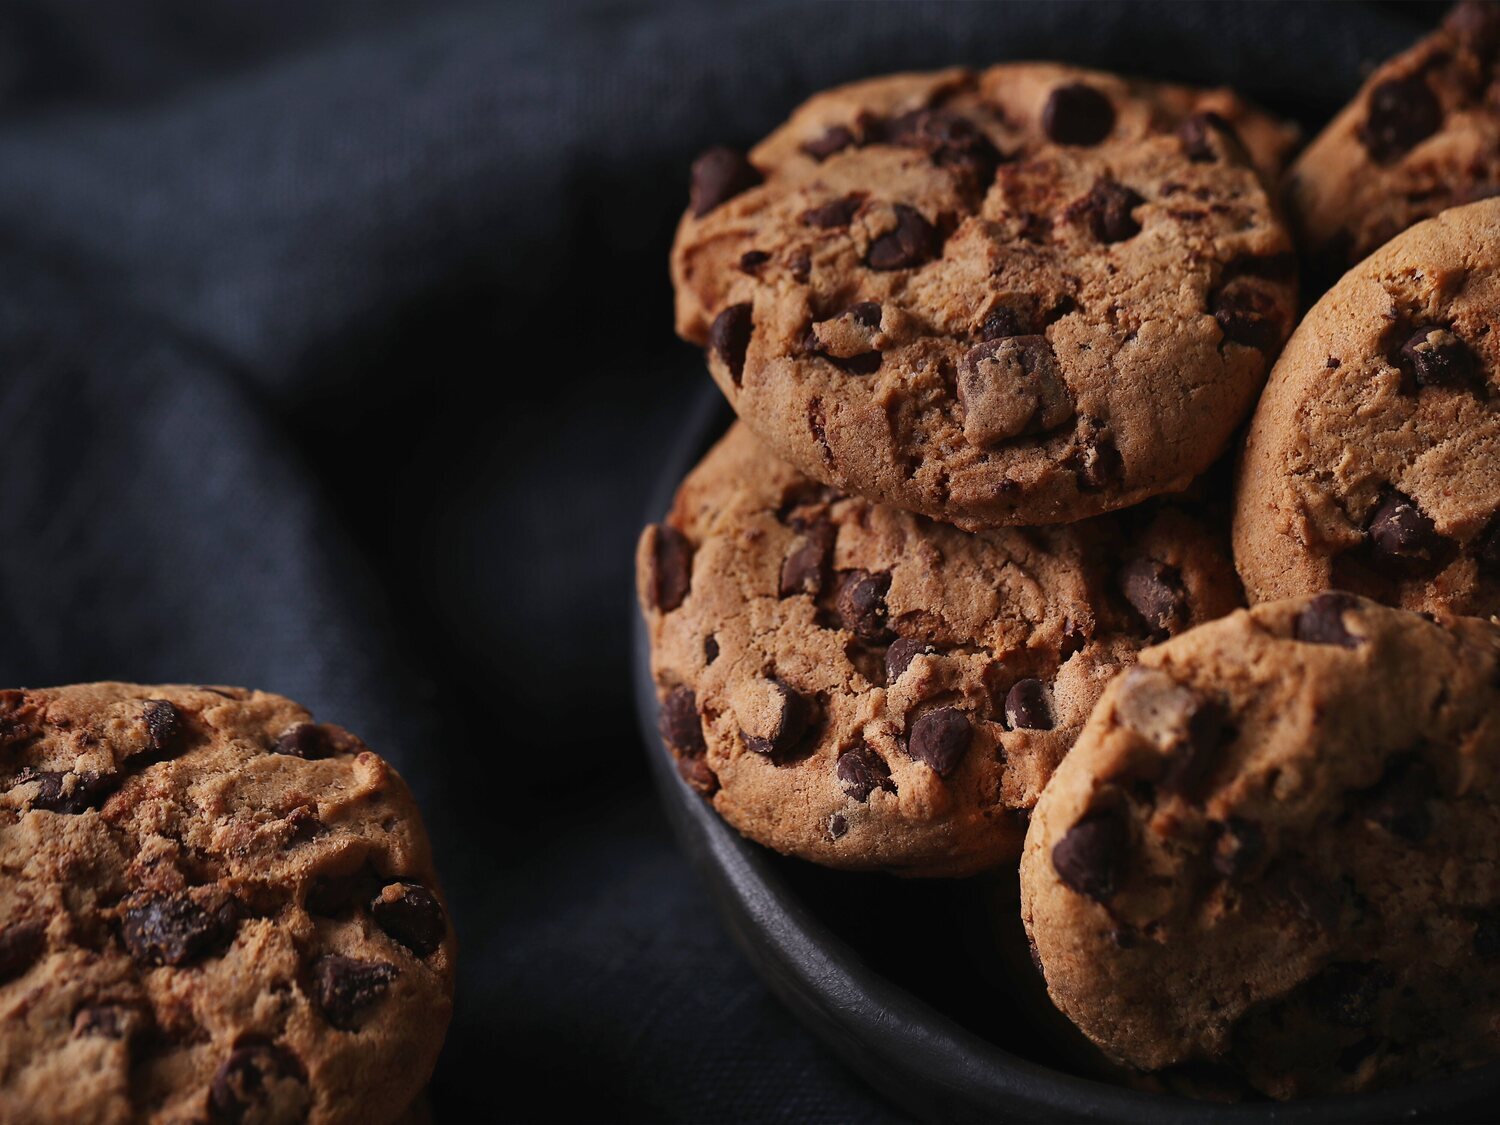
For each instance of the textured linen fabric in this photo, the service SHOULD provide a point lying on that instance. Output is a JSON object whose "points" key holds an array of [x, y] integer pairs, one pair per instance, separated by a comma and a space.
{"points": [[336, 360]]}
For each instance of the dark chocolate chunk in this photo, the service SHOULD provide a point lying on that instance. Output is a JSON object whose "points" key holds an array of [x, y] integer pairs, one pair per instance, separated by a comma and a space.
{"points": [[1401, 534], [1487, 549], [259, 1081], [718, 176], [1106, 210], [729, 339], [1247, 315], [1433, 356], [1321, 621], [165, 728], [835, 138], [410, 914], [861, 771], [838, 824], [832, 215], [1155, 591], [680, 725], [1027, 707], [1096, 462], [912, 242], [1090, 859], [21, 945], [1197, 754], [671, 568], [1402, 112], [1197, 132], [899, 656], [861, 605], [940, 738], [344, 987], [72, 792], [1077, 114], [752, 260], [173, 929], [805, 569], [951, 141], [784, 723], [1002, 322]]}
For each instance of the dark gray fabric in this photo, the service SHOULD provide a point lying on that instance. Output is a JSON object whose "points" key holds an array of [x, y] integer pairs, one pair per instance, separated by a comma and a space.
{"points": [[336, 358]]}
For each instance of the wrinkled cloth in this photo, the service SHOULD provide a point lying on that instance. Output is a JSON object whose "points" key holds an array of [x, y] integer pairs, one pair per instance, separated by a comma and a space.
{"points": [[336, 359]]}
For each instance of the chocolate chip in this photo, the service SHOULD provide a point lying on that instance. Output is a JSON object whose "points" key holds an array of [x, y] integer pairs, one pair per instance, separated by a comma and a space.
{"points": [[174, 929], [259, 1081], [72, 792], [1090, 858], [1197, 132], [950, 141], [835, 139], [817, 425], [1001, 322], [805, 570], [940, 738], [1402, 112], [1401, 534], [899, 656], [752, 260], [1106, 210], [718, 176], [164, 726], [774, 717], [861, 605], [1073, 640], [334, 896], [671, 568], [1026, 706], [866, 363], [1247, 315], [1346, 993], [861, 771], [409, 913], [1155, 591], [1238, 848], [304, 740], [1009, 387], [21, 944], [1434, 357], [832, 215], [1198, 752], [1096, 463], [912, 242], [1321, 621], [838, 825], [710, 649], [866, 313], [1077, 114], [680, 725], [344, 986], [1398, 802], [698, 775], [303, 824], [729, 339]]}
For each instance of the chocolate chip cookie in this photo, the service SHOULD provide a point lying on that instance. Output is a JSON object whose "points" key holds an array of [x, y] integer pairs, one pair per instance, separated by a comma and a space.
{"points": [[1026, 295], [1273, 854], [870, 689], [1419, 137], [211, 909], [1373, 460]]}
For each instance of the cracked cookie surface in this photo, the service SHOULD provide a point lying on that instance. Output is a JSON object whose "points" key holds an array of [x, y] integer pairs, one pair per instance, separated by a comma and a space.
{"points": [[1271, 862], [211, 908], [1024, 295], [1372, 463], [870, 689], [1418, 138]]}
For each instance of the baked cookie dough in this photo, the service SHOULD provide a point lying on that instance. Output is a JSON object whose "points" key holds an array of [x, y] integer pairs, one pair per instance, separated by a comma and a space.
{"points": [[1422, 135], [1025, 295], [870, 689], [1373, 460], [211, 909], [1273, 856]]}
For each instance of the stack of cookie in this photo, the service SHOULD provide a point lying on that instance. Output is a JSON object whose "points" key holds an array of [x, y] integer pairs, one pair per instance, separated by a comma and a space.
{"points": [[958, 589]]}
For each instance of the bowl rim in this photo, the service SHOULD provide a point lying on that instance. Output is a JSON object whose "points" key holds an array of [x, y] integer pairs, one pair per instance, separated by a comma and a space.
{"points": [[918, 1057]]}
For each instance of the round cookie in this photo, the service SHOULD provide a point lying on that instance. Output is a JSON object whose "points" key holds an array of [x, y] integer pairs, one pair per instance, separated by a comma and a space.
{"points": [[1419, 137], [869, 689], [1373, 460], [1025, 295], [211, 909], [1273, 855]]}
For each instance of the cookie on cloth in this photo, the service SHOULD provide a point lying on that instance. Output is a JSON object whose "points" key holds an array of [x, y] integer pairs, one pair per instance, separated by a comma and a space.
{"points": [[211, 909], [1372, 463], [1272, 858], [870, 689], [1024, 295], [1419, 137]]}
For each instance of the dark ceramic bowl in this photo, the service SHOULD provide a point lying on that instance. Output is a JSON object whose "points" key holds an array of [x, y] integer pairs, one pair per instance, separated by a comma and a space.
{"points": [[917, 985]]}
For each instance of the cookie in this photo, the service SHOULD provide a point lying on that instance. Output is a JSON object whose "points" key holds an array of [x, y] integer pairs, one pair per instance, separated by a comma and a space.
{"points": [[1273, 855], [1373, 460], [1026, 295], [211, 909], [1418, 138], [870, 689]]}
